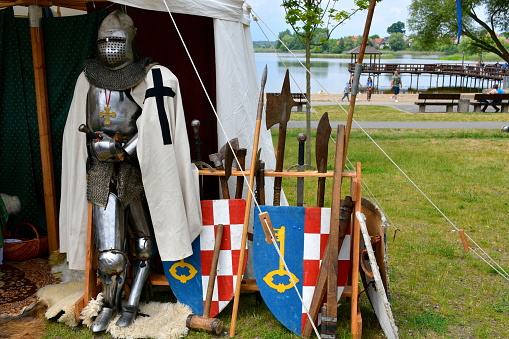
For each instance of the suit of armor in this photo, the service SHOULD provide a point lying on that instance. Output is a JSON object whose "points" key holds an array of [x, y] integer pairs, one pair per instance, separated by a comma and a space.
{"points": [[134, 159], [114, 178]]}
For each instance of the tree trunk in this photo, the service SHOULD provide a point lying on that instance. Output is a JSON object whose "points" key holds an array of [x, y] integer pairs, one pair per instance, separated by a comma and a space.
{"points": [[308, 96]]}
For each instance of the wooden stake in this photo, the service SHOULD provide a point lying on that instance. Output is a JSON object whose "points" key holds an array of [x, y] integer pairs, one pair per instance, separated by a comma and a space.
{"points": [[90, 285], [360, 59], [332, 264], [464, 240], [355, 315]]}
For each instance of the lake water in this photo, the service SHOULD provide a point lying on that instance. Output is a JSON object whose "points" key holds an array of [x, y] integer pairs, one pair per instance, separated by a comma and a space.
{"points": [[331, 75]]}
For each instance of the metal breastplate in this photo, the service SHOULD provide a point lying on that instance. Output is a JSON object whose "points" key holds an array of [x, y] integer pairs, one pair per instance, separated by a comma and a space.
{"points": [[112, 112]]}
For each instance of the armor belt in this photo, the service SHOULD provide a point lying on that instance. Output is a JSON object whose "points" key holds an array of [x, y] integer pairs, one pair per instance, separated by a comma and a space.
{"points": [[127, 77], [127, 177]]}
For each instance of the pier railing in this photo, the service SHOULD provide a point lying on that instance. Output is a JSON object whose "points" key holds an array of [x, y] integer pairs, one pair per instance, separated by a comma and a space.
{"points": [[487, 72]]}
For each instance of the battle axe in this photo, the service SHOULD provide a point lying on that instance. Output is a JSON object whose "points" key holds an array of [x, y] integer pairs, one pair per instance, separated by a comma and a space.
{"points": [[279, 107], [226, 154]]}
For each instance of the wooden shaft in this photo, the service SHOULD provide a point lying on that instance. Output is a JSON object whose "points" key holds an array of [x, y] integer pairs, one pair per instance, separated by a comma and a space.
{"points": [[247, 213], [41, 96], [241, 156], [332, 276], [224, 188], [320, 192], [279, 162], [360, 59], [213, 270], [274, 174], [90, 276], [355, 314]]}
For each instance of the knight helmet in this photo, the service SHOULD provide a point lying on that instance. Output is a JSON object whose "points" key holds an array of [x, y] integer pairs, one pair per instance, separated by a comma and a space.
{"points": [[115, 40]]}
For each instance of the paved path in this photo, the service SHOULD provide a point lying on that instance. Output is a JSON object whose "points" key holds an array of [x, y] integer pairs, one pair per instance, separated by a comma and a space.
{"points": [[410, 125], [405, 104]]}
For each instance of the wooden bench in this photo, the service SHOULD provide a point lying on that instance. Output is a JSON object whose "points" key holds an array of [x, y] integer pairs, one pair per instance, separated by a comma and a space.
{"points": [[503, 98], [446, 99], [300, 99]]}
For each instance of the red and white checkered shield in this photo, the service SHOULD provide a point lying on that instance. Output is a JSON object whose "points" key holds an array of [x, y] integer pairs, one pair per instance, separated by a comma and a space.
{"points": [[189, 277]]}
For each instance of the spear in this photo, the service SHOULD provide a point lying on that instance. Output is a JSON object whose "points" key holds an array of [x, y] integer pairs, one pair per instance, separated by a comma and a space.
{"points": [[249, 199]]}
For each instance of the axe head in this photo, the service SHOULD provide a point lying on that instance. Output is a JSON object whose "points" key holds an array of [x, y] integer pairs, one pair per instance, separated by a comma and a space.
{"points": [[226, 154], [279, 106]]}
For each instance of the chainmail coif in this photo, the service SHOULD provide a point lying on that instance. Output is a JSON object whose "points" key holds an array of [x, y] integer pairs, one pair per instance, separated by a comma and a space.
{"points": [[118, 80]]}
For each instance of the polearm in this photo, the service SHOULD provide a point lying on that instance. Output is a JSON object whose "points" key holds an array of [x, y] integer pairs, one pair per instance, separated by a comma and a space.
{"points": [[249, 200], [279, 108], [323, 132], [301, 167], [357, 74], [358, 68]]}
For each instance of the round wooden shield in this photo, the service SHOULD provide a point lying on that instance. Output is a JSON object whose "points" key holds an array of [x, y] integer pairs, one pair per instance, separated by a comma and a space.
{"points": [[374, 274]]}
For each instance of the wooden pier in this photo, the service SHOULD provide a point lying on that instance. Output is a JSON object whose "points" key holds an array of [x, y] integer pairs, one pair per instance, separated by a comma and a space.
{"points": [[476, 75]]}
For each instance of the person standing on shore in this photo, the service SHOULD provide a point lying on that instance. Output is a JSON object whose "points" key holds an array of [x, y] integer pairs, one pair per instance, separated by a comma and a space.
{"points": [[396, 84], [369, 88], [346, 90]]}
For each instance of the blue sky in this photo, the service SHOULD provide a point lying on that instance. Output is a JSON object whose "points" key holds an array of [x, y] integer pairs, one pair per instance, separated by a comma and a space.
{"points": [[386, 13]]}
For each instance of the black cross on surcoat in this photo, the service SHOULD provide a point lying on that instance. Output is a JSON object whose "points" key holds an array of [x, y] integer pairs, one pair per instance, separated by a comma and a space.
{"points": [[159, 92]]}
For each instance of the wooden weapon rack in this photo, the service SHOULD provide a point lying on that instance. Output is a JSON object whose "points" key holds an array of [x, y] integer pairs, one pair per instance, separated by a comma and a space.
{"points": [[327, 281], [328, 272]]}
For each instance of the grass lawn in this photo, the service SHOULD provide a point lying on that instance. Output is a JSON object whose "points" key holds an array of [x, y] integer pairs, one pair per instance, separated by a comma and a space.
{"points": [[386, 113], [438, 290]]}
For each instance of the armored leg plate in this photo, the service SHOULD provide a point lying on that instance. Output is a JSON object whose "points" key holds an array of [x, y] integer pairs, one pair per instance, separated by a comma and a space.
{"points": [[103, 319]]}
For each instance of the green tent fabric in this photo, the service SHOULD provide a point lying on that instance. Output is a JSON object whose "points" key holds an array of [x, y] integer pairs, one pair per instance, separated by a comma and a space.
{"points": [[67, 42]]}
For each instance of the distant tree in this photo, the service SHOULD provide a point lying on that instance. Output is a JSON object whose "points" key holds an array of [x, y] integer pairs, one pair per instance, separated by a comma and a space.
{"points": [[397, 27], [434, 21], [396, 42], [374, 36]]}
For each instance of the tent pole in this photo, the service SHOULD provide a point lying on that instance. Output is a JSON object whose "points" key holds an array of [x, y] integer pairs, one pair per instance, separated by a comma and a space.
{"points": [[41, 95]]}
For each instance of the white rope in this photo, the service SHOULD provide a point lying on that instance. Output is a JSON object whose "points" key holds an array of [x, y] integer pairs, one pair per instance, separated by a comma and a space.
{"points": [[382, 150]]}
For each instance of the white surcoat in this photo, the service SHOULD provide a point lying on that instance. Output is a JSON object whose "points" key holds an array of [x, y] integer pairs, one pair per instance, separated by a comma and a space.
{"points": [[169, 178]]}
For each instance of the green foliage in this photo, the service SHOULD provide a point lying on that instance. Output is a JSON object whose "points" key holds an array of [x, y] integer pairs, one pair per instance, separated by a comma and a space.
{"points": [[307, 16], [397, 27], [396, 42], [435, 22]]}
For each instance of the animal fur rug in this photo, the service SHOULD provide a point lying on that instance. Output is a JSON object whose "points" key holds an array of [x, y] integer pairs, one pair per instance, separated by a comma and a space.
{"points": [[164, 320]]}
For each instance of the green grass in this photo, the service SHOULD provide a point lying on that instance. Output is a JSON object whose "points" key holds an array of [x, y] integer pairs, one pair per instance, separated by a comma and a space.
{"points": [[437, 290], [385, 113]]}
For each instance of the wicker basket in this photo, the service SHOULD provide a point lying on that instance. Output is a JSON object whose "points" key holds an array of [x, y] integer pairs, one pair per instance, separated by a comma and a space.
{"points": [[26, 248]]}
